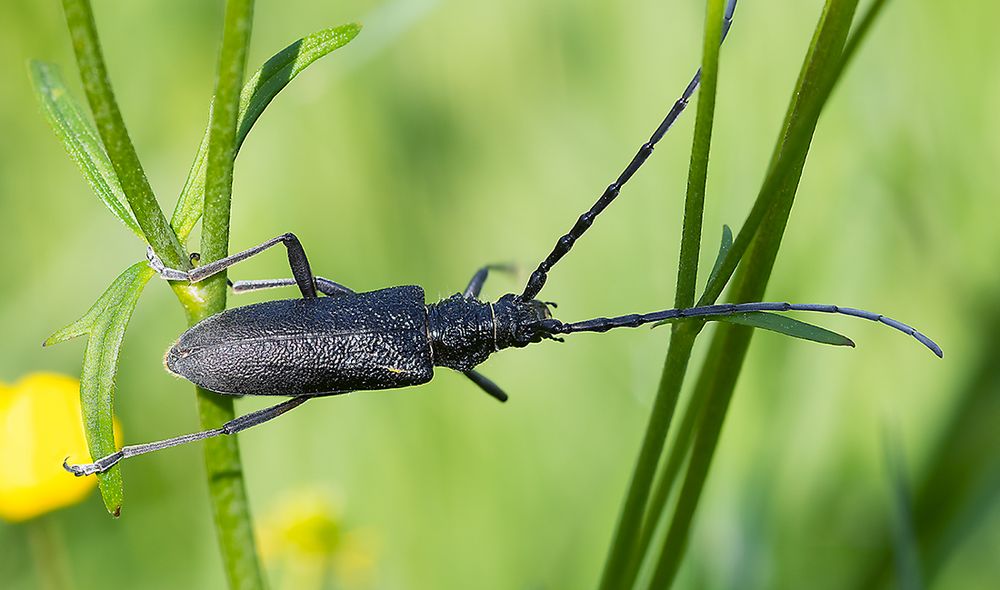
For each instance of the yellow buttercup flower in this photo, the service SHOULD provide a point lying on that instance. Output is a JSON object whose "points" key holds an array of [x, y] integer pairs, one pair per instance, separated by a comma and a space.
{"points": [[40, 425]]}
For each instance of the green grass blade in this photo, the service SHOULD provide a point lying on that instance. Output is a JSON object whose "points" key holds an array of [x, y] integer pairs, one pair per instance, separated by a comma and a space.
{"points": [[111, 128], [823, 66], [904, 540], [789, 327], [80, 140], [627, 531], [258, 92]]}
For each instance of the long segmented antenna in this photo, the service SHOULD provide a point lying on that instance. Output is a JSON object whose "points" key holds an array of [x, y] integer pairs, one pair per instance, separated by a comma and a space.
{"points": [[708, 311], [565, 243]]}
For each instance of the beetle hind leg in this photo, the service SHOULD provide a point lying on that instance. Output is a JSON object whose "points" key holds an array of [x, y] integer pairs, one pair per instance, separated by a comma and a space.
{"points": [[232, 427]]}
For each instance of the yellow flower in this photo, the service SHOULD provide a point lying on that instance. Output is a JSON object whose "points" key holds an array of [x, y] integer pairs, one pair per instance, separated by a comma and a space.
{"points": [[304, 537], [40, 425]]}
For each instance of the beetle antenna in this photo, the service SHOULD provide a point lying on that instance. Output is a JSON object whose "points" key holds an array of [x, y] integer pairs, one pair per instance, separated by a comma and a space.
{"points": [[715, 311], [565, 243]]}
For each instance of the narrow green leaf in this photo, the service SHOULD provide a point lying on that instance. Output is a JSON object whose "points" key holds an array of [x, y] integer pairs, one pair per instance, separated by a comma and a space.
{"points": [[87, 321], [258, 92], [727, 243], [80, 139], [105, 323], [787, 326]]}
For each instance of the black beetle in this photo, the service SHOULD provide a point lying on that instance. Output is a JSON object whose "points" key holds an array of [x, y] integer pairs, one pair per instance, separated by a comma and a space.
{"points": [[391, 338]]}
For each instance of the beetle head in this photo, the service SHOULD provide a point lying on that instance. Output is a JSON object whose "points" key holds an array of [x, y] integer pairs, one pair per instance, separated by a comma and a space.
{"points": [[522, 322]]}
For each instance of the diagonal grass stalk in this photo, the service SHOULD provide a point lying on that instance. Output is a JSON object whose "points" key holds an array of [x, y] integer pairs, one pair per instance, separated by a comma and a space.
{"points": [[824, 66], [682, 339], [111, 128]]}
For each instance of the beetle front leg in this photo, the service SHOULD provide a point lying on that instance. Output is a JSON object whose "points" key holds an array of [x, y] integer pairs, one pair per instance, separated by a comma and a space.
{"points": [[296, 260]]}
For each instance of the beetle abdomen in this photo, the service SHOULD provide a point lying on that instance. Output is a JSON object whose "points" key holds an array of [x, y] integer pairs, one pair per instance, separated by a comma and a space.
{"points": [[375, 340]]}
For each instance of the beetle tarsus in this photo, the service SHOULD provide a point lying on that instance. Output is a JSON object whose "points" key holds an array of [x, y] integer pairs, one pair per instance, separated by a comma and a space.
{"points": [[170, 274], [99, 466]]}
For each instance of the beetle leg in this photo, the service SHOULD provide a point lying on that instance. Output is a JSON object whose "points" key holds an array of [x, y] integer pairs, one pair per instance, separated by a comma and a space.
{"points": [[486, 385], [296, 260], [324, 286], [476, 284], [232, 427]]}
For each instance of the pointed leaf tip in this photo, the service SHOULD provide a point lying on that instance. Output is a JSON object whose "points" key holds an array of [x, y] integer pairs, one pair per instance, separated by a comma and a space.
{"points": [[789, 327], [79, 138], [724, 247], [260, 89]]}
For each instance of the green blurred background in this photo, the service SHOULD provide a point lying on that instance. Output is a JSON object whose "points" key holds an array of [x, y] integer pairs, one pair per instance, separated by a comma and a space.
{"points": [[450, 134]]}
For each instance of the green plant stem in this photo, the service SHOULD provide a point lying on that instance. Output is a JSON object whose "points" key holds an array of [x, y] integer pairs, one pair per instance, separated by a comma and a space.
{"points": [[694, 202], [230, 505], [677, 452], [114, 136], [824, 65], [48, 552], [683, 336], [630, 520]]}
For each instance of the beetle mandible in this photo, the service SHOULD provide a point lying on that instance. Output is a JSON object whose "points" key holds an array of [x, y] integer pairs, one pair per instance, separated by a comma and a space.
{"points": [[390, 338]]}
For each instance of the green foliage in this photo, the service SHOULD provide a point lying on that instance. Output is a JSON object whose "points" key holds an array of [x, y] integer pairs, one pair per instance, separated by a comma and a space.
{"points": [[104, 324], [764, 227], [80, 139], [788, 326], [112, 167], [258, 92], [724, 247], [758, 239], [114, 136], [111, 313]]}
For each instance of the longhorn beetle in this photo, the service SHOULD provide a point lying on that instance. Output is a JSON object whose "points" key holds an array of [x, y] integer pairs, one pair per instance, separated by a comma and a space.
{"points": [[346, 341]]}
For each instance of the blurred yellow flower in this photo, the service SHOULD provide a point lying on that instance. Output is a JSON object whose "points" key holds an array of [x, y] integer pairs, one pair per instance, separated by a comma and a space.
{"points": [[305, 538], [40, 425]]}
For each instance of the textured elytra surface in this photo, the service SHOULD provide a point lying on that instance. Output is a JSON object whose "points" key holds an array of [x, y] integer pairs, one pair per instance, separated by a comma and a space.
{"points": [[375, 340]]}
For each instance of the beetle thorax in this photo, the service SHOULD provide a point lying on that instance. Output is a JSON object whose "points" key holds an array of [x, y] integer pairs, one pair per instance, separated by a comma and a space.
{"points": [[465, 332], [462, 332]]}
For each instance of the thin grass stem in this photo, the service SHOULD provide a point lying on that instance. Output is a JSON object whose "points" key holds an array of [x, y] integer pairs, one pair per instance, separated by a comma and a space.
{"points": [[683, 337]]}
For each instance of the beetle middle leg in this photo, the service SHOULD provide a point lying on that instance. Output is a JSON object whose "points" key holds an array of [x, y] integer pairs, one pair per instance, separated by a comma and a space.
{"points": [[475, 285], [324, 286], [296, 260]]}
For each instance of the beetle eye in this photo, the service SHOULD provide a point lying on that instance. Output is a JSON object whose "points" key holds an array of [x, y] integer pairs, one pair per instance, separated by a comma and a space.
{"points": [[541, 309]]}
